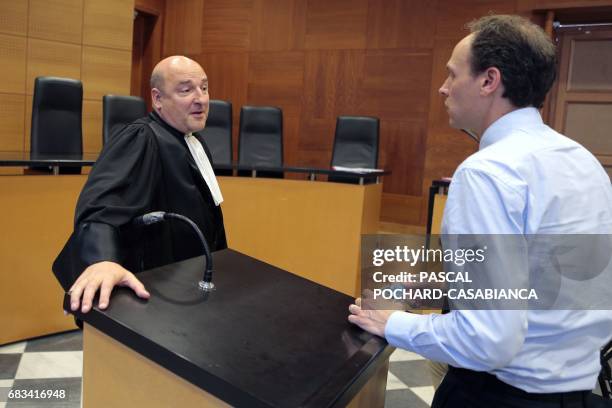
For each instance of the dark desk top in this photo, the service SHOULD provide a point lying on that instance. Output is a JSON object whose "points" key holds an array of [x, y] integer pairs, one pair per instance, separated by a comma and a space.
{"points": [[263, 338], [31, 159], [88, 159], [370, 173]]}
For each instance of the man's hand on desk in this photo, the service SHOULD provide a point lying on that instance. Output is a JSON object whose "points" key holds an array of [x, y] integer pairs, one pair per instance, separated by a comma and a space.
{"points": [[370, 320], [103, 276]]}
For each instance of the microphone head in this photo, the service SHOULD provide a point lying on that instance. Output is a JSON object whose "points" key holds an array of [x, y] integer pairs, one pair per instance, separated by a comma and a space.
{"points": [[149, 218]]}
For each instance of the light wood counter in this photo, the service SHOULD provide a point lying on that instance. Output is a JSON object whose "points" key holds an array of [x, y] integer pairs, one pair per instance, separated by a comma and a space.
{"points": [[36, 215], [312, 229]]}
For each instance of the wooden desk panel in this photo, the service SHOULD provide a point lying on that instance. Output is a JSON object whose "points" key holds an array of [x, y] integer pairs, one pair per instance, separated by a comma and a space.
{"points": [[143, 383], [36, 215], [312, 229], [438, 212]]}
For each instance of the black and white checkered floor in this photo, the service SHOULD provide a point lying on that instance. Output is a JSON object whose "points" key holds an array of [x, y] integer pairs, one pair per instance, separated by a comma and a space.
{"points": [[53, 362], [56, 362]]}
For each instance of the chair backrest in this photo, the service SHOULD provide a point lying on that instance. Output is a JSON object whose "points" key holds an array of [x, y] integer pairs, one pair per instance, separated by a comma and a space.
{"points": [[57, 116], [261, 136], [118, 111], [218, 131], [356, 142]]}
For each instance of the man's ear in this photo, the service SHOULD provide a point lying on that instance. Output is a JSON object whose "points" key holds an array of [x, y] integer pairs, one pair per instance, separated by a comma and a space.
{"points": [[491, 81], [156, 98]]}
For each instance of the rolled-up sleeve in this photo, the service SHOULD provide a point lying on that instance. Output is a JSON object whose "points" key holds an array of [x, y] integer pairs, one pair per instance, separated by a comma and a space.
{"points": [[480, 340]]}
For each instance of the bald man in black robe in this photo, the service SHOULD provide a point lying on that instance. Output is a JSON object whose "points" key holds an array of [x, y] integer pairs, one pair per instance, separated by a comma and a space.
{"points": [[147, 166]]}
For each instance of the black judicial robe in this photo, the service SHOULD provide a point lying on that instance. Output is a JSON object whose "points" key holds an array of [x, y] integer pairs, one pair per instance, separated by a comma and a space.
{"points": [[139, 172]]}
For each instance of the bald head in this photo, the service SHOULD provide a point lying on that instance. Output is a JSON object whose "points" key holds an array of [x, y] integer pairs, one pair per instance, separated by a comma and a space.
{"points": [[179, 92], [171, 65]]}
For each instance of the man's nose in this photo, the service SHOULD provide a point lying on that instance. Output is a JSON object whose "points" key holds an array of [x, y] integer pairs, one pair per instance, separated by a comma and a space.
{"points": [[443, 89], [199, 96]]}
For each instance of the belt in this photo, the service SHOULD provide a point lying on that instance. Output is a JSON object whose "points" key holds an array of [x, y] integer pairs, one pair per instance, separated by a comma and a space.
{"points": [[478, 381]]}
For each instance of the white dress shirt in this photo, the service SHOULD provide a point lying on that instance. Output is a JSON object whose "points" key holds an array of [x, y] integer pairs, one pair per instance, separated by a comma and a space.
{"points": [[525, 179]]}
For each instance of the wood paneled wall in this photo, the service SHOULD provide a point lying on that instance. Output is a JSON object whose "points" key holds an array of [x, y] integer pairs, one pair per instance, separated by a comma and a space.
{"points": [[90, 40], [317, 59]]}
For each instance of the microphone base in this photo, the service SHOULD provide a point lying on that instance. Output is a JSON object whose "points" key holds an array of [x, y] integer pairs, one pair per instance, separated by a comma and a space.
{"points": [[206, 286]]}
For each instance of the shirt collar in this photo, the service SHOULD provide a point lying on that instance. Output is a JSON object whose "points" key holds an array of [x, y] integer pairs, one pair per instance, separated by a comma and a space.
{"points": [[517, 119]]}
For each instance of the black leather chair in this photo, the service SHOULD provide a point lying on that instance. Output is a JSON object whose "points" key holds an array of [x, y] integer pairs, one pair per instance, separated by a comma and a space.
{"points": [[118, 111], [56, 120], [261, 139], [218, 134], [355, 145]]}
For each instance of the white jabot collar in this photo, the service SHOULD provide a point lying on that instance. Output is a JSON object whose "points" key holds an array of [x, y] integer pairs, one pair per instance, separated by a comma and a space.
{"points": [[197, 151]]}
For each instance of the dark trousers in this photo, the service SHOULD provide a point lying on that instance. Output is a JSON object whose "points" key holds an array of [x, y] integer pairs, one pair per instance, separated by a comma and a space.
{"points": [[463, 388]]}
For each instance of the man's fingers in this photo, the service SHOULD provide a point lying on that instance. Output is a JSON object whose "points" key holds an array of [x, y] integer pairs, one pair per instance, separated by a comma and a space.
{"points": [[103, 276], [367, 324], [358, 302], [75, 293], [354, 309], [360, 321], [133, 283], [105, 291], [88, 295]]}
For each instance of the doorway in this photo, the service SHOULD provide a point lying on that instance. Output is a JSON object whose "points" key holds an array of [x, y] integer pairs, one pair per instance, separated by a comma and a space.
{"points": [[146, 51], [582, 107]]}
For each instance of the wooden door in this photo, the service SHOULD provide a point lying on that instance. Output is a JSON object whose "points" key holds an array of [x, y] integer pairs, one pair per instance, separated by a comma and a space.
{"points": [[146, 51], [583, 106]]}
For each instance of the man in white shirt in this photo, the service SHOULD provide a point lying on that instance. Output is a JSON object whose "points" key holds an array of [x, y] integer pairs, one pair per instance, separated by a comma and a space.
{"points": [[525, 179]]}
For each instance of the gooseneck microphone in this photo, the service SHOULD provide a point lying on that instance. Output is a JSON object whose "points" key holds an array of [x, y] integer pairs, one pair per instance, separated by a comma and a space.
{"points": [[158, 216]]}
